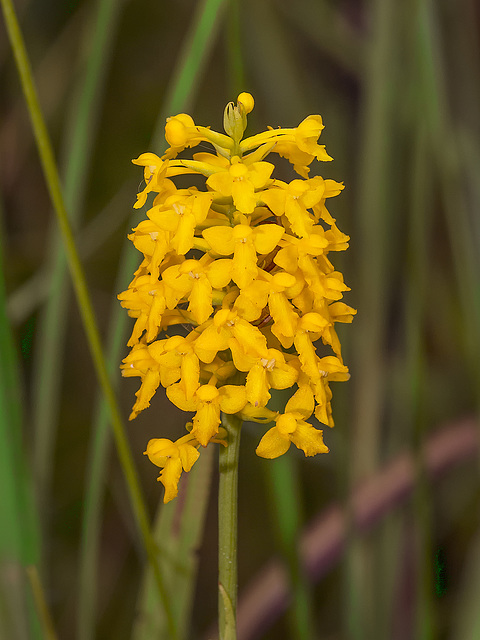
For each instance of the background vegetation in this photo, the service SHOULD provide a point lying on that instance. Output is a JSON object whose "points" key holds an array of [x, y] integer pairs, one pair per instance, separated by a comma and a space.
{"points": [[387, 524]]}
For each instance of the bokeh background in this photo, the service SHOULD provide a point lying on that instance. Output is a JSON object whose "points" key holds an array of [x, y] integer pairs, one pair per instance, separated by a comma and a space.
{"points": [[387, 524]]}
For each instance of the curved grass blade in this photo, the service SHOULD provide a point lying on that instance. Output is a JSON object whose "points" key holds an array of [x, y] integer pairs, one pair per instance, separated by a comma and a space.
{"points": [[83, 297], [53, 326]]}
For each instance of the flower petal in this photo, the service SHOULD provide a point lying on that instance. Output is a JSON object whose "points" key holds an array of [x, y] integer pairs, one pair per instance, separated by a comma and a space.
{"points": [[221, 240], [308, 439], [232, 398], [272, 445]]}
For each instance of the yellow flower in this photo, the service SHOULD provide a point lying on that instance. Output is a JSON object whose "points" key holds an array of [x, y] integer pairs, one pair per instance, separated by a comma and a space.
{"points": [[195, 281], [236, 289], [270, 371], [244, 242], [154, 173], [292, 427], [173, 458], [240, 181], [180, 214], [293, 200], [207, 401]]}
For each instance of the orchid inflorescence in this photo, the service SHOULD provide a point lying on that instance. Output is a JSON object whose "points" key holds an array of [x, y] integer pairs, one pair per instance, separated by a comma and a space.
{"points": [[235, 288]]}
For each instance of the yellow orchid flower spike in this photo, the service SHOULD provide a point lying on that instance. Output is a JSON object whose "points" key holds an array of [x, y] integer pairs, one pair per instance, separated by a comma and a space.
{"points": [[236, 290]]}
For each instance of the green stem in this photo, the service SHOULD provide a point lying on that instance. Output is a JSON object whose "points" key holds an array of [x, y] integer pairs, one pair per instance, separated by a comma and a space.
{"points": [[227, 529]]}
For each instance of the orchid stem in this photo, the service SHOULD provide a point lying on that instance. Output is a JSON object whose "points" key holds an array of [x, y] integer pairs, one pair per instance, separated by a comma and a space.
{"points": [[227, 529]]}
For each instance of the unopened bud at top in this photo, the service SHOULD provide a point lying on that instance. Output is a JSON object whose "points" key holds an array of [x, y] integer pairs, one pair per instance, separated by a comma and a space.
{"points": [[247, 101], [235, 116]]}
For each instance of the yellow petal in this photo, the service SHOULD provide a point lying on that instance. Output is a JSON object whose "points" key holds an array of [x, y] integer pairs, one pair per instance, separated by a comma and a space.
{"points": [[250, 338], [200, 299], [220, 239], [287, 258], [210, 342], [232, 398], [221, 182], [145, 393], [313, 322], [257, 414], [308, 439], [272, 445], [243, 361], [282, 377], [260, 173], [244, 264], [206, 422], [275, 200], [159, 450], [267, 236], [302, 401], [219, 273], [188, 455], [183, 238], [190, 368], [257, 386], [170, 477], [244, 197], [283, 314], [176, 394], [307, 355]]}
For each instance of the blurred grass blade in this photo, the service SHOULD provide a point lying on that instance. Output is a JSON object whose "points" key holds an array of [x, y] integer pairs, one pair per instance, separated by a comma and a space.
{"points": [[32, 293], [284, 497], [236, 66], [190, 64], [366, 590], [178, 532], [41, 604], [83, 297], [273, 67], [183, 86], [81, 128], [283, 486], [466, 624], [19, 539], [327, 27]]}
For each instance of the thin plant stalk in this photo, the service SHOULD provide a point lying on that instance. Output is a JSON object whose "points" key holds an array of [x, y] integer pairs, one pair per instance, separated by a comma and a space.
{"points": [[79, 281], [227, 529]]}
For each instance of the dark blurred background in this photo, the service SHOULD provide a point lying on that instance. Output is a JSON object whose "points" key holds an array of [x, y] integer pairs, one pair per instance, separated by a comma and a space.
{"points": [[398, 87]]}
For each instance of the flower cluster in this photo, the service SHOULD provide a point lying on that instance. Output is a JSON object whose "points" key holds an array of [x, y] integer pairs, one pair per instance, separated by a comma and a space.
{"points": [[235, 288]]}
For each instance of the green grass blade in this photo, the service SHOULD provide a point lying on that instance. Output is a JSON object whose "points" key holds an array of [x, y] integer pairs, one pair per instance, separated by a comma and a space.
{"points": [[284, 493], [41, 604], [83, 297], [326, 26], [375, 214], [236, 66], [53, 326], [19, 533], [283, 485], [190, 64], [179, 531]]}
